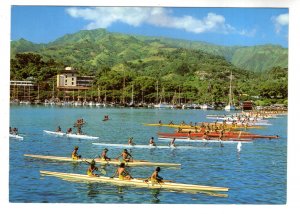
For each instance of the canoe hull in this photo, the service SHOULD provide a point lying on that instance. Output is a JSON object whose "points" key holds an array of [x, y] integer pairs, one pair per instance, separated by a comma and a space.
{"points": [[97, 160], [86, 137], [135, 182]]}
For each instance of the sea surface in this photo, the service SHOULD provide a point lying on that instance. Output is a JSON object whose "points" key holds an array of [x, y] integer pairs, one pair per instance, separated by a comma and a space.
{"points": [[256, 175]]}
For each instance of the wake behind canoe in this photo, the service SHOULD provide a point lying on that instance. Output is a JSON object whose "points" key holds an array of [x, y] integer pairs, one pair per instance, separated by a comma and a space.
{"points": [[135, 182], [100, 161]]}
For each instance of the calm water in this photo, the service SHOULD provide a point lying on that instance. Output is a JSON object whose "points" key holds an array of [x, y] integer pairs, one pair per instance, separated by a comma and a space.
{"points": [[255, 176]]}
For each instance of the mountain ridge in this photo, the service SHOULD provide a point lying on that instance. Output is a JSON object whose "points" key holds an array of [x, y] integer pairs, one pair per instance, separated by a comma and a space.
{"points": [[258, 58]]}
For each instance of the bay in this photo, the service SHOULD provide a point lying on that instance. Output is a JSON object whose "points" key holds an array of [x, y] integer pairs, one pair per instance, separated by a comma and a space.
{"points": [[257, 175]]}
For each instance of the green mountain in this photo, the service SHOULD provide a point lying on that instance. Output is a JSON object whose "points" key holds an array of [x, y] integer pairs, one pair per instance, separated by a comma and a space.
{"points": [[93, 48]]}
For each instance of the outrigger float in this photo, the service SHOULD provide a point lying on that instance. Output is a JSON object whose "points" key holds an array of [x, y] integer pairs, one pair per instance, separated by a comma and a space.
{"points": [[135, 182], [101, 161]]}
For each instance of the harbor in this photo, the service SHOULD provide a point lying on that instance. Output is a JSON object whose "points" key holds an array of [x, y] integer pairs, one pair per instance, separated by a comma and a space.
{"points": [[257, 169]]}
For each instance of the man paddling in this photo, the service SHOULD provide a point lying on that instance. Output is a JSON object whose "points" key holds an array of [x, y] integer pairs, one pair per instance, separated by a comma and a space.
{"points": [[103, 155], [75, 155], [92, 168], [126, 156], [151, 142], [155, 177], [130, 141], [172, 143], [122, 173]]}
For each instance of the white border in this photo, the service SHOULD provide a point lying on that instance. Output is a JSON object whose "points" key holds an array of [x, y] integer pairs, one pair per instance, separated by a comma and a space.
{"points": [[293, 143]]}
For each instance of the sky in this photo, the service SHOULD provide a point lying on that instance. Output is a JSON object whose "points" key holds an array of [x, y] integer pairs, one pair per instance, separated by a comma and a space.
{"points": [[222, 26]]}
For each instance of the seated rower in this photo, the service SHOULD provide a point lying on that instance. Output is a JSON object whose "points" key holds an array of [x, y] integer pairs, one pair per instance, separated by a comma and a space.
{"points": [[130, 141], [69, 131], [172, 143], [151, 142], [10, 130], [75, 155], [58, 129], [155, 177], [92, 168], [126, 156], [122, 173], [104, 155], [15, 131]]}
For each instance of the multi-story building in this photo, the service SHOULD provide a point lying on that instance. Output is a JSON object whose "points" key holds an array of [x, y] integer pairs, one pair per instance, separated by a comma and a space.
{"points": [[69, 80]]}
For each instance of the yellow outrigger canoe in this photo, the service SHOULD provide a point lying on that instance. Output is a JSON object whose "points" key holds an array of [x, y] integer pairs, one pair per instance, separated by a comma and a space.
{"points": [[134, 182], [100, 161]]}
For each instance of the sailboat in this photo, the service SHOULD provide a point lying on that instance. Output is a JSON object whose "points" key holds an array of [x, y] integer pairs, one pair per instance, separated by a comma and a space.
{"points": [[162, 104], [131, 104], [230, 106]]}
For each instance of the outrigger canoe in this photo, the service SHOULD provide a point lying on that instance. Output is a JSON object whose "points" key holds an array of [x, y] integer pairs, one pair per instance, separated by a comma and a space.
{"points": [[100, 161], [134, 182], [228, 126], [147, 146], [78, 136], [187, 140], [231, 135], [16, 136]]}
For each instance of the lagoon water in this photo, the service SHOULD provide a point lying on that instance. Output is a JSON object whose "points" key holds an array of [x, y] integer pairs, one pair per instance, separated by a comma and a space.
{"points": [[257, 175]]}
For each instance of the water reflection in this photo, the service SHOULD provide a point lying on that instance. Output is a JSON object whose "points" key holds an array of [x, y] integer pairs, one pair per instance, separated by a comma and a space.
{"points": [[92, 191], [155, 194]]}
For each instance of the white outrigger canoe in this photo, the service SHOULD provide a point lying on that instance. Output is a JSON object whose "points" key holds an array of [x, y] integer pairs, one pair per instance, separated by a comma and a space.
{"points": [[187, 140], [100, 161], [147, 146], [16, 136], [78, 136], [134, 182]]}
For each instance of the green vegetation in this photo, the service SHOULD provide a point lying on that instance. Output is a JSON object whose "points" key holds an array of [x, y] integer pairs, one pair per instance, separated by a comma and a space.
{"points": [[184, 71]]}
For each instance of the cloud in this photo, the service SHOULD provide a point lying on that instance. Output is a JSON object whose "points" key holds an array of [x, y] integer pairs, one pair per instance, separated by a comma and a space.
{"points": [[280, 21], [103, 17]]}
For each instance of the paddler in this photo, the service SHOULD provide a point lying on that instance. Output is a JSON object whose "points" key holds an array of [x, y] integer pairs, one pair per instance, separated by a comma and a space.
{"points": [[92, 168], [10, 130], [151, 142], [130, 141], [122, 173], [155, 177], [69, 130], [172, 143], [75, 155], [126, 156], [15, 131], [103, 155], [58, 129]]}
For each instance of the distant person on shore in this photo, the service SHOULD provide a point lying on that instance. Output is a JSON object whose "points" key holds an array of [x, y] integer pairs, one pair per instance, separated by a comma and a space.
{"points": [[130, 141], [103, 155], [75, 155], [127, 157], [151, 142]]}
